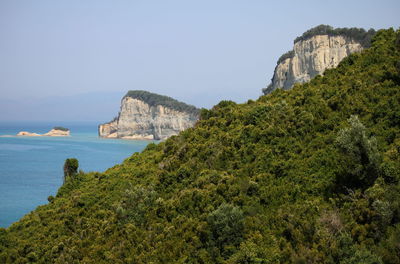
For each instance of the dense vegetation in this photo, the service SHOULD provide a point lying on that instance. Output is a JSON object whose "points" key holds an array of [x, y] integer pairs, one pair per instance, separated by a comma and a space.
{"points": [[153, 99], [358, 34], [309, 175]]}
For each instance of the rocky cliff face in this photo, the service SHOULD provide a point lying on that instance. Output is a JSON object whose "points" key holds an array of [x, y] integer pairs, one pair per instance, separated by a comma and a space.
{"points": [[311, 57], [139, 119]]}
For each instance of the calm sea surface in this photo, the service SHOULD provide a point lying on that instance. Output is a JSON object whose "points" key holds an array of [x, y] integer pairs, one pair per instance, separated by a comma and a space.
{"points": [[31, 168]]}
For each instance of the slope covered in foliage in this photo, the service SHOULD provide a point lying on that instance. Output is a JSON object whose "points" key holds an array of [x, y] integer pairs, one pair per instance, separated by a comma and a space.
{"points": [[309, 175]]}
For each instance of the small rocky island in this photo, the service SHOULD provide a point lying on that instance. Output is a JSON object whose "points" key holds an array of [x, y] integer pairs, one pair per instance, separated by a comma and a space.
{"points": [[55, 132], [145, 115]]}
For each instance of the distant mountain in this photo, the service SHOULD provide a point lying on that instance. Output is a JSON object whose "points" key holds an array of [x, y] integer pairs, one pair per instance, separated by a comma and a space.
{"points": [[318, 49], [94, 106], [146, 115]]}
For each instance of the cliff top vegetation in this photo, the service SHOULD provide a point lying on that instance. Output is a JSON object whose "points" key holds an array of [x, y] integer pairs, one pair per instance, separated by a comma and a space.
{"points": [[153, 99], [358, 34], [60, 128]]}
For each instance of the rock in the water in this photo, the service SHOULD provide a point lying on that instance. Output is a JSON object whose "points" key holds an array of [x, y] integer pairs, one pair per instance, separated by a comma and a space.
{"points": [[55, 132], [28, 134], [145, 115]]}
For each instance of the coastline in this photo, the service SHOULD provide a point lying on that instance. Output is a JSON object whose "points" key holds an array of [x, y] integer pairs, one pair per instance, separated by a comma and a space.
{"points": [[43, 157]]}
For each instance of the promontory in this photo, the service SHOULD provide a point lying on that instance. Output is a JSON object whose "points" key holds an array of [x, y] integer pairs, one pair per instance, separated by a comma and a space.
{"points": [[145, 115], [318, 49]]}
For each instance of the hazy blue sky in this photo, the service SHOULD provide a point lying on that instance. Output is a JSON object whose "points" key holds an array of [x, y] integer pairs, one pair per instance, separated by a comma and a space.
{"points": [[199, 52]]}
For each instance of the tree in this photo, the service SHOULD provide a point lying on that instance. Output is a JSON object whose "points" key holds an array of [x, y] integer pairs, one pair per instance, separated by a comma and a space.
{"points": [[360, 158], [70, 168], [226, 224]]}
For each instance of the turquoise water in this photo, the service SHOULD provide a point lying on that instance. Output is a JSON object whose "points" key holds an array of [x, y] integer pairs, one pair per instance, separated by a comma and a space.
{"points": [[31, 168]]}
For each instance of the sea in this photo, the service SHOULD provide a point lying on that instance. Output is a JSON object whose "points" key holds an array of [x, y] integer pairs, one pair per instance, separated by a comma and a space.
{"points": [[31, 168]]}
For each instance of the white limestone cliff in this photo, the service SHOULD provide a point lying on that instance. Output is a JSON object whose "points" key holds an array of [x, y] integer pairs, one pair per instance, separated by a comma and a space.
{"points": [[311, 57], [140, 120]]}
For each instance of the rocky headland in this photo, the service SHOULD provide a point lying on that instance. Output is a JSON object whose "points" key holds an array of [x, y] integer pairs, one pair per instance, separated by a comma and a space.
{"points": [[145, 115], [318, 49]]}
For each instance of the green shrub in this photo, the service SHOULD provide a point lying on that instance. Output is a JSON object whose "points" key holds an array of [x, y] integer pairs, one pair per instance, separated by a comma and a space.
{"points": [[70, 168], [50, 198], [361, 159], [226, 225]]}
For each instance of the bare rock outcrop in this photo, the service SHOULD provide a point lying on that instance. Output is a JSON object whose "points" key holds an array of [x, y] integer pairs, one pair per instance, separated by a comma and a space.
{"points": [[318, 49], [145, 115]]}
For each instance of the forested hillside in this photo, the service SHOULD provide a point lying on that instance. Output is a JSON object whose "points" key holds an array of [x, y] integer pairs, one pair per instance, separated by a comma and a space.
{"points": [[309, 175]]}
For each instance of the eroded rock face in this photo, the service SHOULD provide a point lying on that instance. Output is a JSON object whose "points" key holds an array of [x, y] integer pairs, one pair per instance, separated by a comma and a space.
{"points": [[108, 130], [139, 120], [312, 57]]}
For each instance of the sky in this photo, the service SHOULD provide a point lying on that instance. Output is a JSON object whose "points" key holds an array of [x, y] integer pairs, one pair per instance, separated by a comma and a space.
{"points": [[74, 60]]}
